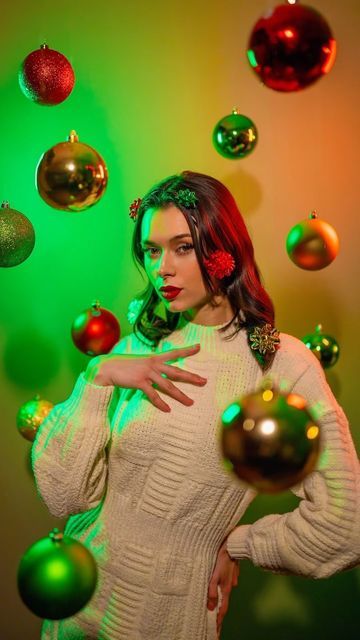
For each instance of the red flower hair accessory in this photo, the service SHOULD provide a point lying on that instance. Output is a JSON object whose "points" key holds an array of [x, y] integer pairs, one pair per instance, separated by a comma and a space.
{"points": [[134, 208], [220, 264]]}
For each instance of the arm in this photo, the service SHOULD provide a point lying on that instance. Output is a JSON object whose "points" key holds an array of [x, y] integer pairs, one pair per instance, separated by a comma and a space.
{"points": [[69, 451], [321, 536]]}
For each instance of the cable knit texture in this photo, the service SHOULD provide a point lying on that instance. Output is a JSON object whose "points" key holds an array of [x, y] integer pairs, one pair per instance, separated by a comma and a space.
{"points": [[147, 493]]}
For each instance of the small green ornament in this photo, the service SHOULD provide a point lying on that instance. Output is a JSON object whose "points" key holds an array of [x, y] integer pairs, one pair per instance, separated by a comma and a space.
{"points": [[235, 136], [57, 576], [323, 346]]}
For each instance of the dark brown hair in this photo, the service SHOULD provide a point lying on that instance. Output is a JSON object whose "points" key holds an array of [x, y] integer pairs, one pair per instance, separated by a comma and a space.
{"points": [[215, 223]]}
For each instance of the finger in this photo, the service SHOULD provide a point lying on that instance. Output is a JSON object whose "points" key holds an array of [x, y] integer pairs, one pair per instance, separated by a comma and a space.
{"points": [[155, 399], [212, 595], [174, 373], [174, 354], [168, 387]]}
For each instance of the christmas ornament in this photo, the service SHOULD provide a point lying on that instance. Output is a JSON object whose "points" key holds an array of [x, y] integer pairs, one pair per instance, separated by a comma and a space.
{"points": [[323, 346], [95, 331], [235, 136], [291, 47], [57, 576], [219, 264], [30, 416], [71, 175], [46, 76], [134, 309], [269, 440], [312, 244], [17, 236]]}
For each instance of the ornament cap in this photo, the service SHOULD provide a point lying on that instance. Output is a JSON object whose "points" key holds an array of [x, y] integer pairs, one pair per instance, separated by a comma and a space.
{"points": [[236, 111], [56, 535], [95, 308], [73, 136], [44, 46], [5, 204], [313, 215], [318, 328]]}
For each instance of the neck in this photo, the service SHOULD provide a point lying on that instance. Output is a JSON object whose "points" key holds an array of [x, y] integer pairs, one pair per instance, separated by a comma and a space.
{"points": [[214, 313]]}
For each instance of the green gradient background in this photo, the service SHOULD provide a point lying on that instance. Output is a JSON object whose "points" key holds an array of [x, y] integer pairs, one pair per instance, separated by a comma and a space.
{"points": [[152, 79]]}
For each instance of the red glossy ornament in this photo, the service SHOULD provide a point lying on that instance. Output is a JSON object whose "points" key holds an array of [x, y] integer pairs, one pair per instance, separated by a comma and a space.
{"points": [[312, 244], [46, 76], [95, 331], [291, 47]]}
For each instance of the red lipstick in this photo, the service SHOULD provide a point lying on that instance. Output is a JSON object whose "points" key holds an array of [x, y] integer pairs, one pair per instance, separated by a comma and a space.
{"points": [[169, 293]]}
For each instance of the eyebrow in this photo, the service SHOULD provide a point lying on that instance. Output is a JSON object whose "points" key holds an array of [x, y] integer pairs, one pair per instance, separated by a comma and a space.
{"points": [[181, 235]]}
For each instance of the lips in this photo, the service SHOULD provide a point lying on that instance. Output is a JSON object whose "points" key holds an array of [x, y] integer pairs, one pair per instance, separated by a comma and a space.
{"points": [[169, 293]]}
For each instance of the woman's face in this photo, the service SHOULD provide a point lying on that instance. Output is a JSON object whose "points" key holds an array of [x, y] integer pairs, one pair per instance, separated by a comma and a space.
{"points": [[171, 261]]}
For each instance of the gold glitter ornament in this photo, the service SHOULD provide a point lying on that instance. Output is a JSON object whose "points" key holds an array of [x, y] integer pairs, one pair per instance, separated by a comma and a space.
{"points": [[31, 415], [17, 236], [71, 176]]}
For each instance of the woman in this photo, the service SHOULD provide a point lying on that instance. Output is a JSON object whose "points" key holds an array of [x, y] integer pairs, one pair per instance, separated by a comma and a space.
{"points": [[133, 458]]}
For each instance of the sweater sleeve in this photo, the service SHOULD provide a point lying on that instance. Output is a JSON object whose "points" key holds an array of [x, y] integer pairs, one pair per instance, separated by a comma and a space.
{"points": [[69, 452], [321, 536]]}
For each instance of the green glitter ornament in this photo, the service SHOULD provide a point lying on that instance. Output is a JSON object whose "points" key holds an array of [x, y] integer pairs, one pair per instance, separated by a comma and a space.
{"points": [[17, 236]]}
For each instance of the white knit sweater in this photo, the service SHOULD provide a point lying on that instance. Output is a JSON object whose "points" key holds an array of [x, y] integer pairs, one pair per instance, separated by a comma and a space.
{"points": [[147, 493]]}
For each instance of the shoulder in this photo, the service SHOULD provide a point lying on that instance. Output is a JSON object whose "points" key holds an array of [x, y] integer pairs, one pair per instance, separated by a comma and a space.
{"points": [[294, 358], [132, 344]]}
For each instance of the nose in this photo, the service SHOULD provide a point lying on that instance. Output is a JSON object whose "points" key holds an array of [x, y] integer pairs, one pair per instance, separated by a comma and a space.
{"points": [[166, 266]]}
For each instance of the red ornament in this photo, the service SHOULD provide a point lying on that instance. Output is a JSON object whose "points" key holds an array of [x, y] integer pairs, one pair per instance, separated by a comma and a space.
{"points": [[219, 264], [291, 47], [95, 331], [46, 76]]}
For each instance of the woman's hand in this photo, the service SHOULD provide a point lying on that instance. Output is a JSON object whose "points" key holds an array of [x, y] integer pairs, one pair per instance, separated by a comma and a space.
{"points": [[146, 372], [225, 574]]}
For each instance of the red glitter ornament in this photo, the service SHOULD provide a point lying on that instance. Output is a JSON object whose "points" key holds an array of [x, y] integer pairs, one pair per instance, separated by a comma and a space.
{"points": [[291, 47], [95, 331], [219, 264], [46, 76]]}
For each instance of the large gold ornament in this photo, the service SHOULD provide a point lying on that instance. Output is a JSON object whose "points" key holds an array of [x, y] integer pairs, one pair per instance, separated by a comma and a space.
{"points": [[269, 440], [30, 416], [71, 176], [312, 243]]}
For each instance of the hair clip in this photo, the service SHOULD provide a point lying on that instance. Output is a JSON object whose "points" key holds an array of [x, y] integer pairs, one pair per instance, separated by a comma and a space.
{"points": [[265, 339], [187, 198], [134, 208], [219, 264]]}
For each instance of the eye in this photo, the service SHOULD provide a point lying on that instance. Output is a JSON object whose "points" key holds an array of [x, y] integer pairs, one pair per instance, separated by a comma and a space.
{"points": [[185, 247], [181, 249]]}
